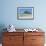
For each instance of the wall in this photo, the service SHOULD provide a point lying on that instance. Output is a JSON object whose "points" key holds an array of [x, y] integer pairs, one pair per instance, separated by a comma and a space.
{"points": [[8, 13]]}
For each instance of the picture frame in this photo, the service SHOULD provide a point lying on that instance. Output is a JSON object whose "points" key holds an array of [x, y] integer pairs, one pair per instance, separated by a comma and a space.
{"points": [[25, 13]]}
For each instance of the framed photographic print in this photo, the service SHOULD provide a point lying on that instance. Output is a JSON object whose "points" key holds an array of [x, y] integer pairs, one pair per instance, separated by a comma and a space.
{"points": [[25, 13]]}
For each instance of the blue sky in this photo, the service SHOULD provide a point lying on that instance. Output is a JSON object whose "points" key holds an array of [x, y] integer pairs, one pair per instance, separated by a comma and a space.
{"points": [[21, 10]]}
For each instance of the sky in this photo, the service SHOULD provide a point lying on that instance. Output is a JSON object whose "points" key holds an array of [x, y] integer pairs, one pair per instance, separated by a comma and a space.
{"points": [[21, 10]]}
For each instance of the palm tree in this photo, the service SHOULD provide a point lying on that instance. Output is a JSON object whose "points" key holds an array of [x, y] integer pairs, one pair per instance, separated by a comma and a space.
{"points": [[27, 12]]}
